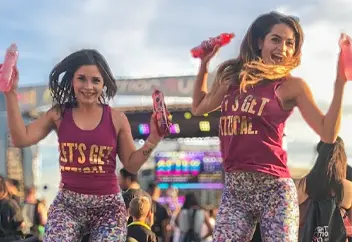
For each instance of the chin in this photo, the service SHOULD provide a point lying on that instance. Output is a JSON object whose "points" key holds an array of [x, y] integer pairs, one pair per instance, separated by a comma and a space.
{"points": [[88, 102]]}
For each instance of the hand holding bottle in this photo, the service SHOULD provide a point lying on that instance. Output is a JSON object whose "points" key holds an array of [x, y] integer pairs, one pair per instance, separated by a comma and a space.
{"points": [[345, 59], [8, 70], [207, 49]]}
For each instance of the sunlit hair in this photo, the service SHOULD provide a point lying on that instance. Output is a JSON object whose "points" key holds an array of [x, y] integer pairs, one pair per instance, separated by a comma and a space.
{"points": [[325, 178], [60, 78], [4, 193], [248, 68]]}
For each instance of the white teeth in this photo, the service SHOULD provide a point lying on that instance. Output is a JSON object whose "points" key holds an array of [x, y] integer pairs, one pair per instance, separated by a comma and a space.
{"points": [[277, 57], [88, 94]]}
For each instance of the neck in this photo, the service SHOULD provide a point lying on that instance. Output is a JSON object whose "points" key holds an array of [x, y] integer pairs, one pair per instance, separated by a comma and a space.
{"points": [[155, 198], [87, 108], [140, 220]]}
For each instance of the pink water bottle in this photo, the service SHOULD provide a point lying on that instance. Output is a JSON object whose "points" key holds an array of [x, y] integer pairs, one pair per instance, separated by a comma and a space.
{"points": [[345, 43], [208, 45], [10, 62]]}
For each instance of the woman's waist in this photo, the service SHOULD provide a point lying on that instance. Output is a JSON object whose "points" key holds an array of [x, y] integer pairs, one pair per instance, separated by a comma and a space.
{"points": [[86, 199], [89, 179], [94, 185]]}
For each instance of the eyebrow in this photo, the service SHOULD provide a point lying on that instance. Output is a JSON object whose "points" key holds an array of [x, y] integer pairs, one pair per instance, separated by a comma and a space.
{"points": [[278, 36], [93, 77]]}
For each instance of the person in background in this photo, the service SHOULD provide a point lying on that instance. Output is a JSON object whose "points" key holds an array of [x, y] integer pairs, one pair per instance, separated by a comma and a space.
{"points": [[34, 213], [161, 226], [11, 220], [129, 185], [192, 211], [327, 179], [139, 229], [128, 180], [13, 186], [211, 212], [349, 211]]}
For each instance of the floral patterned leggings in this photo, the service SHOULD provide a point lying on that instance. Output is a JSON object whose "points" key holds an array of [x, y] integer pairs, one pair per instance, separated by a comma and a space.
{"points": [[71, 214], [249, 198]]}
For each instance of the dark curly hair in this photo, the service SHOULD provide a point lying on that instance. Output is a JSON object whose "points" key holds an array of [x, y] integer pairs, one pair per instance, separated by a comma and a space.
{"points": [[60, 78]]}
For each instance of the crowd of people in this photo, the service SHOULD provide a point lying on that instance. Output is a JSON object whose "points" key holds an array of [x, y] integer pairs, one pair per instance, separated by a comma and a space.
{"points": [[20, 218], [256, 93]]}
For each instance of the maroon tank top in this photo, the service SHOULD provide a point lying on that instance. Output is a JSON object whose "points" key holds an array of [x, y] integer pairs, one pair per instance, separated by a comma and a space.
{"points": [[251, 130], [88, 157]]}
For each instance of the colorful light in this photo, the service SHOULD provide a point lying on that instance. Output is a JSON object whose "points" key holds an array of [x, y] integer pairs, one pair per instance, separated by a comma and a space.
{"points": [[204, 126], [187, 115], [207, 186], [143, 129], [175, 129]]}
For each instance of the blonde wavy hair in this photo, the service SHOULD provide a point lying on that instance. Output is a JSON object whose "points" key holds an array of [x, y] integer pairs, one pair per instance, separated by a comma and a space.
{"points": [[248, 68]]}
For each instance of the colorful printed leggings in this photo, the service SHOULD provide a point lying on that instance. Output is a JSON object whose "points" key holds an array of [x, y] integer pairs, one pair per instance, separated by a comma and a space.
{"points": [[72, 213], [249, 198]]}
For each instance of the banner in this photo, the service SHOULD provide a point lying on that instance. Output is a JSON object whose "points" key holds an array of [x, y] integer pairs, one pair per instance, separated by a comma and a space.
{"points": [[175, 86]]}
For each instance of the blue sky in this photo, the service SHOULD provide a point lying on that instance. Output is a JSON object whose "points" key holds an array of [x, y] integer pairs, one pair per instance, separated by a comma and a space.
{"points": [[153, 38], [148, 38]]}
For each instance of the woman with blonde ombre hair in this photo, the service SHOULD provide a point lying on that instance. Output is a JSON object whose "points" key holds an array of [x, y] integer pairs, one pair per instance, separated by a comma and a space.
{"points": [[257, 94]]}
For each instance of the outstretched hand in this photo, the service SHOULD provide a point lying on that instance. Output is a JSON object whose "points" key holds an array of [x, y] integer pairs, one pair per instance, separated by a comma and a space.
{"points": [[209, 55], [14, 78]]}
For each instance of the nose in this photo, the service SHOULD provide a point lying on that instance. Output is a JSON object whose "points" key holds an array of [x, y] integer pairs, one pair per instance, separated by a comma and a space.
{"points": [[282, 47], [88, 85]]}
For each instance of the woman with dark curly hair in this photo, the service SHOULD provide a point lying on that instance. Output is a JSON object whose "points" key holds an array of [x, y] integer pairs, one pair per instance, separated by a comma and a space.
{"points": [[90, 135]]}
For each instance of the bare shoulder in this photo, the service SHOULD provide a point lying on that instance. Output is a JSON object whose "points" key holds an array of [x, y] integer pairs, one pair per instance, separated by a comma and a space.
{"points": [[119, 119], [295, 83], [347, 185], [291, 88], [118, 115], [54, 113]]}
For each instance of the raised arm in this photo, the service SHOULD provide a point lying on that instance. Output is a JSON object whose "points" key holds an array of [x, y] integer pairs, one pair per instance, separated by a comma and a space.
{"points": [[25, 135], [204, 101], [326, 126], [131, 158]]}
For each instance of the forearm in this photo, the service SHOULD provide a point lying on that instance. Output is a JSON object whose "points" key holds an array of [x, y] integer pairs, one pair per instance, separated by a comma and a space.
{"points": [[200, 86], [15, 121], [332, 119], [139, 157]]}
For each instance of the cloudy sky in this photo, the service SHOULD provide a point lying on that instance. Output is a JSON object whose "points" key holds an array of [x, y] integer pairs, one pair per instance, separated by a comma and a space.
{"points": [[152, 38]]}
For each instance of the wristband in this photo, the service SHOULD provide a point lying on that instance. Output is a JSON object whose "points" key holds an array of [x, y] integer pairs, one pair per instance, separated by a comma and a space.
{"points": [[150, 145]]}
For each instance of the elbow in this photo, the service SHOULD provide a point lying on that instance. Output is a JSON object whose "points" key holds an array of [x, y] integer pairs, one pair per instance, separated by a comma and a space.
{"points": [[19, 143], [328, 140], [329, 137]]}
